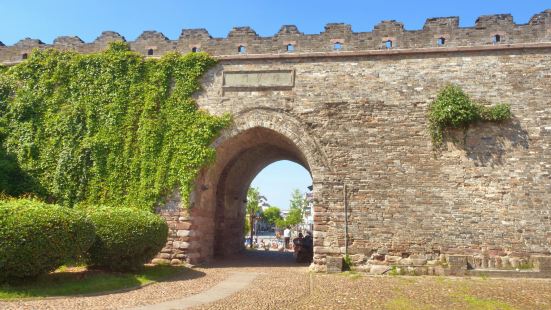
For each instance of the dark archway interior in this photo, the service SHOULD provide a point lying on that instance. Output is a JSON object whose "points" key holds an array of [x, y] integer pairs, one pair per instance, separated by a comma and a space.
{"points": [[241, 158]]}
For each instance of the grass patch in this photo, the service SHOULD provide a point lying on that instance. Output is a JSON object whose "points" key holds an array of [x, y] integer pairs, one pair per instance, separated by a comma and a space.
{"points": [[351, 274], [486, 304], [526, 266], [403, 303], [462, 294], [68, 281]]}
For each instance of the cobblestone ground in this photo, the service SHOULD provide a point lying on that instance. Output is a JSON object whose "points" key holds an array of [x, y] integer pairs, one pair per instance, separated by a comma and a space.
{"points": [[282, 284]]}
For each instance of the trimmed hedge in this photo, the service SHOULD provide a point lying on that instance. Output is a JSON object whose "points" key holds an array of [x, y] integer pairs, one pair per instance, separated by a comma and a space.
{"points": [[36, 237], [126, 238]]}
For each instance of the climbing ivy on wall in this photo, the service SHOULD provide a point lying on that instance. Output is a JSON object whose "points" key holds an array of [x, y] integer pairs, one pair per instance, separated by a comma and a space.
{"points": [[108, 128], [453, 108]]}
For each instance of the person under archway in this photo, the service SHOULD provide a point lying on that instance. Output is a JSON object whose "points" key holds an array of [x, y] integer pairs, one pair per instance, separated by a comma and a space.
{"points": [[303, 247], [287, 237]]}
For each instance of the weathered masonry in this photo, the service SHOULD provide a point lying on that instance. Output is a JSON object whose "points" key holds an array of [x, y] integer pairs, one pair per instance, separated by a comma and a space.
{"points": [[352, 109]]}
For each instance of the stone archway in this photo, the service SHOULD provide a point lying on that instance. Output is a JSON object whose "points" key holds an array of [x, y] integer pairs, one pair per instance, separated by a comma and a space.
{"points": [[213, 225], [257, 148]]}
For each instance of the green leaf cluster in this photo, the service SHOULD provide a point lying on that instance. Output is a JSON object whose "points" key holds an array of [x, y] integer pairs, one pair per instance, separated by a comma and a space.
{"points": [[109, 128], [36, 237], [272, 215], [126, 238], [296, 210], [453, 108]]}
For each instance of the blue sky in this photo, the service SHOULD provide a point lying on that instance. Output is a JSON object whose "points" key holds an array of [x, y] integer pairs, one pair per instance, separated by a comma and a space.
{"points": [[277, 181], [46, 20]]}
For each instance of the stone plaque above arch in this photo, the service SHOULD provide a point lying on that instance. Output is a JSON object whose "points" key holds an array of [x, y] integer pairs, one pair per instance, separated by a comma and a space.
{"points": [[258, 80]]}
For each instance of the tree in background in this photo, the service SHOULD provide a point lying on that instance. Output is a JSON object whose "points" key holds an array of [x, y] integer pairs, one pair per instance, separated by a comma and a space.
{"points": [[272, 215], [298, 201], [252, 208], [294, 217], [296, 209]]}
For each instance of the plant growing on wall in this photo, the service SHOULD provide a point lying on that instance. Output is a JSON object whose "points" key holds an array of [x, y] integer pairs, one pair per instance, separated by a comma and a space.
{"points": [[108, 128], [453, 108]]}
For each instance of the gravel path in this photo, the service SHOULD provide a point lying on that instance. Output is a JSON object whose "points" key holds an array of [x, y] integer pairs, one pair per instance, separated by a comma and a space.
{"points": [[236, 282], [186, 284], [282, 284]]}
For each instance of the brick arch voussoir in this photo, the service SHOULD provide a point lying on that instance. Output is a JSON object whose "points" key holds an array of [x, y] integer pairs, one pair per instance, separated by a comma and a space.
{"points": [[285, 124]]}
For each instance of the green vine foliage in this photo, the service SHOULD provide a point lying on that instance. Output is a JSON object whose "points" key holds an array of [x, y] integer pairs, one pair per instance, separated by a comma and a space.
{"points": [[453, 108], [108, 128]]}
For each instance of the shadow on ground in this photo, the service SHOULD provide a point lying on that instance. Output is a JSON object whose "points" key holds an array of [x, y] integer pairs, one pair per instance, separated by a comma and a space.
{"points": [[94, 282], [253, 258]]}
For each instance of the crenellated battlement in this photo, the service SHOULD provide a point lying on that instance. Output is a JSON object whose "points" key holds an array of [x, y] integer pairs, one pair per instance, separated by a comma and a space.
{"points": [[443, 33]]}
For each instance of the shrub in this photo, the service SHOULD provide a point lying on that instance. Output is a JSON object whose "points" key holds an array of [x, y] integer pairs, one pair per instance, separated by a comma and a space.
{"points": [[453, 108], [126, 238], [37, 237]]}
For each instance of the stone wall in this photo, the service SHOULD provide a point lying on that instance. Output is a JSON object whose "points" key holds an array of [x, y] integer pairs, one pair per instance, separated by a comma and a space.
{"points": [[153, 43], [488, 197], [358, 117]]}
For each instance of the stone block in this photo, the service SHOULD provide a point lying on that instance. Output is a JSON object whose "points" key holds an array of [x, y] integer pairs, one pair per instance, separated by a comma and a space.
{"points": [[542, 263], [160, 261], [406, 262], [379, 269], [376, 262], [317, 268], [505, 262], [183, 225], [393, 259], [418, 261], [334, 264], [363, 268], [184, 233], [514, 261], [439, 271], [357, 259], [457, 264], [175, 261]]}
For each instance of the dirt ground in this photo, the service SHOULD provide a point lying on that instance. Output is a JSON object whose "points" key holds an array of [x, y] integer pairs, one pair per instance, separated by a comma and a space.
{"points": [[283, 284]]}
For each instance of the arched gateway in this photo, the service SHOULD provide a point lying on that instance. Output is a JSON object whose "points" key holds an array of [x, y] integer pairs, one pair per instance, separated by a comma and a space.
{"points": [[213, 226], [352, 109]]}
